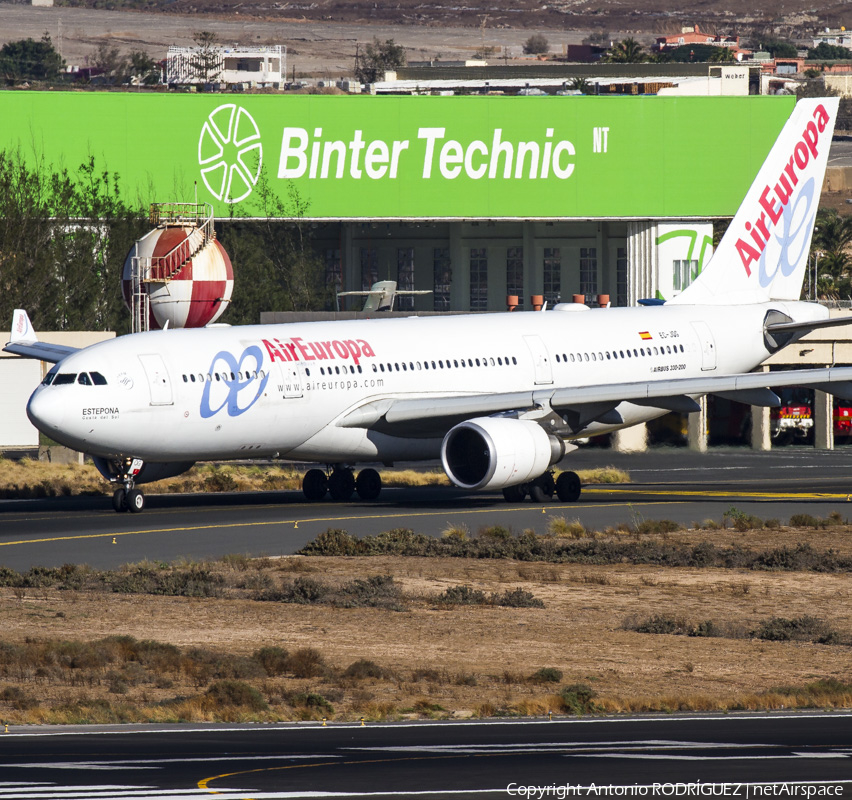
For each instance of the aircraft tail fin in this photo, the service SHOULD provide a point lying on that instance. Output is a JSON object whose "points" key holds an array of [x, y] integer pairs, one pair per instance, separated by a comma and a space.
{"points": [[764, 253]]}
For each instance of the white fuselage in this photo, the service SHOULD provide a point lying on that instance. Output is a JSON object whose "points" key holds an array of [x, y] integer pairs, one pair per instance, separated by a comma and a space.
{"points": [[261, 391]]}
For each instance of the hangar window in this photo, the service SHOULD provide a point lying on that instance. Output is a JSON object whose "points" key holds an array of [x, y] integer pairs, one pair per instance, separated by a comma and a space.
{"points": [[478, 279], [552, 275], [369, 268], [405, 277], [442, 276], [515, 273], [683, 273], [621, 276], [333, 268], [589, 273]]}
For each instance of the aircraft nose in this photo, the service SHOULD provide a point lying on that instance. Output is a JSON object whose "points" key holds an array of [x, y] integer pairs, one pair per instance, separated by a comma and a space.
{"points": [[46, 411]]}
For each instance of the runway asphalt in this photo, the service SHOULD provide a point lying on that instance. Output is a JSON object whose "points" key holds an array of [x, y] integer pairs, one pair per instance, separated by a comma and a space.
{"points": [[667, 484], [748, 755]]}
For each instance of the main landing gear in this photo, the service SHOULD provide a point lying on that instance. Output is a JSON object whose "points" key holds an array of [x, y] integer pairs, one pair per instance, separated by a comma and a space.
{"points": [[341, 484], [566, 487]]}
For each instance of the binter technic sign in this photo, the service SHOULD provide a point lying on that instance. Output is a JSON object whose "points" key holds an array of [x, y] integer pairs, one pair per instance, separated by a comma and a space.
{"points": [[410, 157]]}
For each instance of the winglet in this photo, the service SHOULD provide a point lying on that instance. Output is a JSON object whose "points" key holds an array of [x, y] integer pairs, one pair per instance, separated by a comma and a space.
{"points": [[22, 328]]}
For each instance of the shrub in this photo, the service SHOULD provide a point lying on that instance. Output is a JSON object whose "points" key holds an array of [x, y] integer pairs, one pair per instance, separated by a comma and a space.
{"points": [[272, 659], [546, 675], [377, 591], [799, 629], [741, 521], [18, 698], [517, 598], [461, 596], [364, 668], [577, 698], [236, 693], [647, 526], [312, 700], [307, 663], [333, 542], [660, 623]]}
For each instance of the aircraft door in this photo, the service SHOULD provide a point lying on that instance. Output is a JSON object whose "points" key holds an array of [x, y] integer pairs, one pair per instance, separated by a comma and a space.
{"points": [[291, 384], [541, 359], [158, 379], [707, 343]]}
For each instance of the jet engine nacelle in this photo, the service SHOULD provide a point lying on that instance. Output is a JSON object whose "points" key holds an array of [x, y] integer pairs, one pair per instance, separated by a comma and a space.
{"points": [[495, 452], [150, 472]]}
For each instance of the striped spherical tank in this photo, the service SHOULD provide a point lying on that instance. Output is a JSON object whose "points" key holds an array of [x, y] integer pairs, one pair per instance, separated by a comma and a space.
{"points": [[185, 292]]}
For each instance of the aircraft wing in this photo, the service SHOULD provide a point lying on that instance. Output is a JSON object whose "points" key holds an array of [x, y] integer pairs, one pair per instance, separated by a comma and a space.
{"points": [[435, 415], [24, 341]]}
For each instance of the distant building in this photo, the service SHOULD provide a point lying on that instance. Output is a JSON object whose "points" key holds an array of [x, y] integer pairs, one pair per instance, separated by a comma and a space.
{"points": [[691, 35], [841, 38], [257, 66]]}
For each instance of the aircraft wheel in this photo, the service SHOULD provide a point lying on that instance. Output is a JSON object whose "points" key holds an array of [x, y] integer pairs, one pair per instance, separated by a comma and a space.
{"points": [[119, 500], [341, 485], [514, 494], [135, 501], [542, 488], [368, 484], [314, 485], [568, 487]]}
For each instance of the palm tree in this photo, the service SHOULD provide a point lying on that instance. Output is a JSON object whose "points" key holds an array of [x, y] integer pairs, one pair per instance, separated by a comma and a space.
{"points": [[627, 51], [832, 238], [723, 54]]}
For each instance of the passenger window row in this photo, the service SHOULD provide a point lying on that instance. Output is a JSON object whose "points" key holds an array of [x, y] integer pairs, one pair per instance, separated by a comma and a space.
{"points": [[223, 376], [615, 354], [455, 363]]}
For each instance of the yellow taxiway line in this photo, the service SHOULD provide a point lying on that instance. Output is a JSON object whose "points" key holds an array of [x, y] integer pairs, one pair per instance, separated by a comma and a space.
{"points": [[296, 522]]}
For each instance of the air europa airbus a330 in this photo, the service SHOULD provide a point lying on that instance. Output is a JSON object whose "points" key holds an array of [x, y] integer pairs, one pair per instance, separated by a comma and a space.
{"points": [[498, 396]]}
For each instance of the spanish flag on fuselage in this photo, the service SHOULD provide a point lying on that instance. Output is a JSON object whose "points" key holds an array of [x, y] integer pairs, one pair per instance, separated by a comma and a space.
{"points": [[644, 336]]}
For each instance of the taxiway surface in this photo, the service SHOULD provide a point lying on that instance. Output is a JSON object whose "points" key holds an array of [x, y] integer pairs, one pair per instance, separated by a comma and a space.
{"points": [[727, 755], [670, 484]]}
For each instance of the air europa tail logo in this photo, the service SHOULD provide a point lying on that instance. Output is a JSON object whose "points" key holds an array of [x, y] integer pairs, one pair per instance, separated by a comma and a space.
{"points": [[297, 349], [774, 200]]}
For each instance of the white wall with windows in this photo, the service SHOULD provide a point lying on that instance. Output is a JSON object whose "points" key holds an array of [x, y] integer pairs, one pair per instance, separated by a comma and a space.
{"points": [[474, 265]]}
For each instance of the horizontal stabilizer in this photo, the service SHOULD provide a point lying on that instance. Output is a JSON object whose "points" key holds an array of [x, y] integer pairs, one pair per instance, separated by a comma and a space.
{"points": [[24, 342], [813, 325]]}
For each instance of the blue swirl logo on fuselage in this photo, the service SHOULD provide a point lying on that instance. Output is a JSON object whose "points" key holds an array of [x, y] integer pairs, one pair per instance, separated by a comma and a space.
{"points": [[234, 379]]}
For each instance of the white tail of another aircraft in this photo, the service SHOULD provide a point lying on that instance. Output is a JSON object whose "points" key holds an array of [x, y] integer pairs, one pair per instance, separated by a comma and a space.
{"points": [[764, 253]]}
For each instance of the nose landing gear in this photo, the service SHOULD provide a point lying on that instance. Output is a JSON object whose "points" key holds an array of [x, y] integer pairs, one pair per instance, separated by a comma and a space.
{"points": [[128, 498]]}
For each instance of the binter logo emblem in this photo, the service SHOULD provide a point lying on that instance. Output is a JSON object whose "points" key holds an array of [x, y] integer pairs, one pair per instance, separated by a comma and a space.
{"points": [[230, 153]]}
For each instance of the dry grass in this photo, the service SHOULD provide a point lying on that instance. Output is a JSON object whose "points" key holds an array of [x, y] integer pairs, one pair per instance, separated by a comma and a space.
{"points": [[308, 660], [26, 478]]}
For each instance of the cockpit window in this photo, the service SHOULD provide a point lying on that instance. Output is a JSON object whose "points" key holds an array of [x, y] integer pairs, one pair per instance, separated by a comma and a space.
{"points": [[64, 377], [98, 379], [83, 379], [48, 379]]}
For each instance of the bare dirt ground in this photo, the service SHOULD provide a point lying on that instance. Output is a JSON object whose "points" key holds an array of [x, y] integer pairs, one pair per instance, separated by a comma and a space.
{"points": [[323, 49], [322, 36], [485, 654]]}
